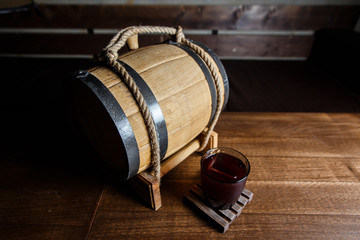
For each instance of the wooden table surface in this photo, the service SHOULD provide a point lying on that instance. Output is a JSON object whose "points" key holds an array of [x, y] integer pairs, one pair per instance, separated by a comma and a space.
{"points": [[305, 176]]}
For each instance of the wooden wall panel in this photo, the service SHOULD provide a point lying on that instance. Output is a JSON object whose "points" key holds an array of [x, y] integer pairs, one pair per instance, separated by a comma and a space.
{"points": [[257, 46], [6, 4], [246, 17], [244, 31], [223, 45]]}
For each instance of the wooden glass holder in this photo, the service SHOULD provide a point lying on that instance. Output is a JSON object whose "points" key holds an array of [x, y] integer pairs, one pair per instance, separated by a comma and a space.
{"points": [[148, 187], [222, 219]]}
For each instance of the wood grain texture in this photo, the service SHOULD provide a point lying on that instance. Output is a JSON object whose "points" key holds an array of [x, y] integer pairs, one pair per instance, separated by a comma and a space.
{"points": [[300, 139], [253, 46], [42, 201], [182, 223], [147, 188], [243, 17], [279, 168], [297, 194], [337, 198], [222, 45], [257, 18]]}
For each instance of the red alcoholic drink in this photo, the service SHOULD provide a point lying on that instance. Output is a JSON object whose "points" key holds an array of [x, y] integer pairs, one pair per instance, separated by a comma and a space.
{"points": [[223, 176]]}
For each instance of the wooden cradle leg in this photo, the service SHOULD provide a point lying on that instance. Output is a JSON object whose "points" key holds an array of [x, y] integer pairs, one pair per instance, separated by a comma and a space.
{"points": [[148, 187]]}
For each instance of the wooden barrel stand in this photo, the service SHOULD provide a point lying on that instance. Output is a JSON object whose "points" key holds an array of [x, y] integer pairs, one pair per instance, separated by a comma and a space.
{"points": [[148, 187]]}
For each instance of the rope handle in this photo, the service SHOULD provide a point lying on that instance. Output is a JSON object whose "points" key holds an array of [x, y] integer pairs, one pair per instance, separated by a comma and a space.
{"points": [[120, 39]]}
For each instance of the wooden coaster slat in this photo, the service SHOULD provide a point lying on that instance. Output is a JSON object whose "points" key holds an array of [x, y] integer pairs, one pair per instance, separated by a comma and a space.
{"points": [[243, 201], [247, 194], [229, 214], [197, 190], [222, 218], [237, 208], [209, 212]]}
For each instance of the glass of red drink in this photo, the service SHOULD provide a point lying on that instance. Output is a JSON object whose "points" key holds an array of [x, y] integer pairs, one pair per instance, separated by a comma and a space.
{"points": [[223, 176]]}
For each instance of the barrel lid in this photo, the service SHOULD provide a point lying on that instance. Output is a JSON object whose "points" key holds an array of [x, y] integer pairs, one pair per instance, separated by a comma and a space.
{"points": [[106, 126]]}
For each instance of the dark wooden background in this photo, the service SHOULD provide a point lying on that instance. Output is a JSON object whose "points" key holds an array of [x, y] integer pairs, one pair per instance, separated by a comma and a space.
{"points": [[318, 37], [279, 58], [235, 31]]}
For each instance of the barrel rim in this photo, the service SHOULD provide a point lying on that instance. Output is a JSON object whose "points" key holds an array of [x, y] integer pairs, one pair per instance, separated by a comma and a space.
{"points": [[120, 120]]}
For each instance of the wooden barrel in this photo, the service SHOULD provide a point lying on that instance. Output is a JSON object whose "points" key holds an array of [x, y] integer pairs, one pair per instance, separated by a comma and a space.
{"points": [[178, 89]]}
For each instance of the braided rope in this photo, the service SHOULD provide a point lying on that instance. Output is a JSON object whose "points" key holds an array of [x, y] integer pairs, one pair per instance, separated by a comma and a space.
{"points": [[111, 56], [219, 90]]}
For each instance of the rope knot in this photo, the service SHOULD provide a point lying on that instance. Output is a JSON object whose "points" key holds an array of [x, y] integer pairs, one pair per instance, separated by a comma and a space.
{"points": [[111, 55], [179, 34]]}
